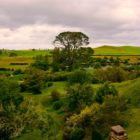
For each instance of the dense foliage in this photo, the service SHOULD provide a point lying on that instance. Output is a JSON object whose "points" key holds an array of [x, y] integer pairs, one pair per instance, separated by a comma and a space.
{"points": [[67, 93]]}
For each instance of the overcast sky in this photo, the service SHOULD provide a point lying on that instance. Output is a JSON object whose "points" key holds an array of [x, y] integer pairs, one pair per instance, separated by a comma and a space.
{"points": [[28, 24]]}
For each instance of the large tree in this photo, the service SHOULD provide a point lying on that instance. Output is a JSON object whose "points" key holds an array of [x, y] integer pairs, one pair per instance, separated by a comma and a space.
{"points": [[70, 44]]}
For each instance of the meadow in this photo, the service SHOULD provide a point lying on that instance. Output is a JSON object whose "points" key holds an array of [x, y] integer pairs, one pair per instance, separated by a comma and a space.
{"points": [[127, 88]]}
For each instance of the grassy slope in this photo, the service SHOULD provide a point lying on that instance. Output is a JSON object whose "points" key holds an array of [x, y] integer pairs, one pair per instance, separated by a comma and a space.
{"points": [[131, 89], [112, 50], [23, 56], [41, 104]]}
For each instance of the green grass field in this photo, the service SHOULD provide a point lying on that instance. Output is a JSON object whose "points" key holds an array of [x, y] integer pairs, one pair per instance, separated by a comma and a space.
{"points": [[112, 50], [26, 56], [132, 91]]}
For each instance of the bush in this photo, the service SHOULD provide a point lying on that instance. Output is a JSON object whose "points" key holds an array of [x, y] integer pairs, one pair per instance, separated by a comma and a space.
{"points": [[41, 62], [18, 71], [33, 81], [77, 134], [96, 135], [79, 76], [58, 76], [12, 54], [57, 105], [79, 96], [105, 90], [50, 84], [112, 74], [55, 95]]}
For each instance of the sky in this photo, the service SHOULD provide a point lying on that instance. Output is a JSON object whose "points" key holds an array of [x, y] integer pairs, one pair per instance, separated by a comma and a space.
{"points": [[27, 24]]}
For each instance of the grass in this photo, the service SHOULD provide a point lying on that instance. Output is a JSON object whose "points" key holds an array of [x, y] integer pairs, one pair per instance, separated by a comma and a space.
{"points": [[114, 50], [26, 56], [6, 61], [131, 90], [56, 115]]}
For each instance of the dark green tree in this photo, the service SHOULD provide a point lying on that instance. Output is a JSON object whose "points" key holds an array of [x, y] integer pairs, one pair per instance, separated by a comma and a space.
{"points": [[34, 81], [56, 64], [41, 62], [79, 76], [10, 101], [79, 96], [70, 43]]}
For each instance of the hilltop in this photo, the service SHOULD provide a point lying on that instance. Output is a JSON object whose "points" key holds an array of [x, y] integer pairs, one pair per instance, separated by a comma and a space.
{"points": [[117, 50]]}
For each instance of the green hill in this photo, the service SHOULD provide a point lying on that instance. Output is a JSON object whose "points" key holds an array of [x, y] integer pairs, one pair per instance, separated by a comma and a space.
{"points": [[114, 50], [131, 90]]}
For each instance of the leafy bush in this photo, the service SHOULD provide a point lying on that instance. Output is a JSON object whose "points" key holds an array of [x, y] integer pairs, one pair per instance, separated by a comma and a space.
{"points": [[96, 135], [58, 76], [12, 54], [55, 95], [79, 76], [41, 62], [57, 105], [112, 74], [105, 90], [77, 134], [50, 84], [79, 96], [34, 81], [18, 71]]}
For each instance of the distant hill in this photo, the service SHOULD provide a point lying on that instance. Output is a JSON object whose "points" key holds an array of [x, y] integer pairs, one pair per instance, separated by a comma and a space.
{"points": [[114, 50]]}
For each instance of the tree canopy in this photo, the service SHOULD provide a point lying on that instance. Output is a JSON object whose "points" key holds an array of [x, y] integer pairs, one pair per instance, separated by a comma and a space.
{"points": [[70, 50]]}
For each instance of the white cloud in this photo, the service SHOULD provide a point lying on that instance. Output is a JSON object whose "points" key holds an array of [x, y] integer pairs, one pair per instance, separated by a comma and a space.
{"points": [[104, 21], [33, 36]]}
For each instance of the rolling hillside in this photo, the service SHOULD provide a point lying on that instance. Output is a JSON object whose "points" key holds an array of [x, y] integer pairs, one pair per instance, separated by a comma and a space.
{"points": [[133, 93], [114, 50]]}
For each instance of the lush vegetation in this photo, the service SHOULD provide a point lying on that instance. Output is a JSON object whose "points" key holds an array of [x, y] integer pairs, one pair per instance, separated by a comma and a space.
{"points": [[68, 93]]}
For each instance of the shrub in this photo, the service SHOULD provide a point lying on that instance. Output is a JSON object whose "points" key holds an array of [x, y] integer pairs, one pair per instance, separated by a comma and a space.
{"points": [[97, 65], [79, 76], [57, 105], [18, 71], [34, 81], [77, 134], [55, 95], [105, 90], [58, 76], [79, 96], [41, 62], [112, 74], [50, 84], [12, 54], [96, 135]]}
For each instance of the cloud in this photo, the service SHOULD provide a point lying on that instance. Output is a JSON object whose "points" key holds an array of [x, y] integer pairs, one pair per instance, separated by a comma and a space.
{"points": [[31, 36], [111, 22]]}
